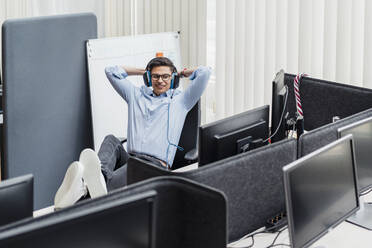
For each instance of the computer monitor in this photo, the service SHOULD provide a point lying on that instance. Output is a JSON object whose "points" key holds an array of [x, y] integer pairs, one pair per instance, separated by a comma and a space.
{"points": [[278, 107], [233, 135], [122, 222], [320, 191], [16, 199], [362, 134]]}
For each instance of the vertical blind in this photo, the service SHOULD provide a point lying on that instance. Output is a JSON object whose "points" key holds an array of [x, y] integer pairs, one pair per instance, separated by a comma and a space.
{"points": [[130, 17], [246, 41], [329, 39]]}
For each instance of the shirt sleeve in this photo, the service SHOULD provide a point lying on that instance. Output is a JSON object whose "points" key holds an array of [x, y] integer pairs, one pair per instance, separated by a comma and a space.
{"points": [[117, 77], [199, 79]]}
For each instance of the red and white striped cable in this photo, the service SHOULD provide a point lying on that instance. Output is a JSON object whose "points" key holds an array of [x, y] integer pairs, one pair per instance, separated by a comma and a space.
{"points": [[297, 93]]}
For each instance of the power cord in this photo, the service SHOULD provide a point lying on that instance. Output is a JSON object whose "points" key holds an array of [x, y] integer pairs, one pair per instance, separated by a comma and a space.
{"points": [[251, 235], [282, 115], [276, 237], [366, 192]]}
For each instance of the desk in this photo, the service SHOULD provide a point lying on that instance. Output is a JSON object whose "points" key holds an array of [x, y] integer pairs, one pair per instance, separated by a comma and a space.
{"points": [[187, 168], [345, 235], [50, 209]]}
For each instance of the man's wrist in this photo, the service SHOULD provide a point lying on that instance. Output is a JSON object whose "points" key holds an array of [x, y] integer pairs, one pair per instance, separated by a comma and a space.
{"points": [[182, 73]]}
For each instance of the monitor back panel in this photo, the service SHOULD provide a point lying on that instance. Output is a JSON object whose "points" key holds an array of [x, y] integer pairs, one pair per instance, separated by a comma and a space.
{"points": [[47, 118], [16, 198], [207, 143], [126, 222]]}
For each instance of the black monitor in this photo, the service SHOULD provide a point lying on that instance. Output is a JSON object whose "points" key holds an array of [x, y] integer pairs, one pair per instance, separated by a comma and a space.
{"points": [[122, 222], [16, 199], [233, 135], [321, 191], [278, 107], [362, 134]]}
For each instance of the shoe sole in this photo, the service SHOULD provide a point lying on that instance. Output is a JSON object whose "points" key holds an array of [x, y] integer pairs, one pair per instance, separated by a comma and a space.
{"points": [[66, 195], [92, 174]]}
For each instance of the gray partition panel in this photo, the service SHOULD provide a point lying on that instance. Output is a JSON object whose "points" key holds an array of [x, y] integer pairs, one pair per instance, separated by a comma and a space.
{"points": [[47, 118], [324, 135], [252, 183], [321, 100]]}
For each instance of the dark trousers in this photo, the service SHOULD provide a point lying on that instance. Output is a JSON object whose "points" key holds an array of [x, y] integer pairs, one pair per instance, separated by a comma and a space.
{"points": [[114, 162]]}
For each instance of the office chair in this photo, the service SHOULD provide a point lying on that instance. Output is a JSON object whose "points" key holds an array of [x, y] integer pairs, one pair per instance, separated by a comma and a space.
{"points": [[188, 140]]}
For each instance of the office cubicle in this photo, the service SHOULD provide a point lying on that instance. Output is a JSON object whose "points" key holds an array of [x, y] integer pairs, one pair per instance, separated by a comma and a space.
{"points": [[326, 134], [322, 100], [252, 183], [182, 213]]}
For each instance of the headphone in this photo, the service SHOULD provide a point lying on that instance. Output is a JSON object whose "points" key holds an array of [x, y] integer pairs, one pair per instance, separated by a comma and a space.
{"points": [[175, 81]]}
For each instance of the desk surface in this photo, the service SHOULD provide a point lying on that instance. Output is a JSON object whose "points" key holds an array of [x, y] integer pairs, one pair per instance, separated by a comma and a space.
{"points": [[345, 235]]}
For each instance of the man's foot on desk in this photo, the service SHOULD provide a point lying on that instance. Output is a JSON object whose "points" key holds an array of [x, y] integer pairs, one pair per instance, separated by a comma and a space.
{"points": [[92, 173], [72, 187]]}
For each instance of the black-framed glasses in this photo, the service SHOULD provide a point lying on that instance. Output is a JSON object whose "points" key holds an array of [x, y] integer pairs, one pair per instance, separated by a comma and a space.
{"points": [[165, 77]]}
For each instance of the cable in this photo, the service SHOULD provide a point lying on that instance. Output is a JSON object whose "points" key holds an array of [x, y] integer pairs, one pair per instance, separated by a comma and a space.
{"points": [[280, 245], [282, 115], [366, 192], [170, 143], [251, 235], [276, 237]]}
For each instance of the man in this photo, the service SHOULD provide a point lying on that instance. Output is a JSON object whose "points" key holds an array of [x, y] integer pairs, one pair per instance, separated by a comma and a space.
{"points": [[156, 114]]}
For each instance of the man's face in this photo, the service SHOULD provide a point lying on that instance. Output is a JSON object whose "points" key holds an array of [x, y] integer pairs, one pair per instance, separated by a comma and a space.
{"points": [[161, 77]]}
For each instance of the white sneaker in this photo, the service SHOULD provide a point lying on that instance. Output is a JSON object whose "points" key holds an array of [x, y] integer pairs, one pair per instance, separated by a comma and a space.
{"points": [[72, 187], [92, 174]]}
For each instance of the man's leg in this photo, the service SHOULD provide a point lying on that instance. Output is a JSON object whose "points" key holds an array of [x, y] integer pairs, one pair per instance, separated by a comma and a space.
{"points": [[118, 179], [113, 159]]}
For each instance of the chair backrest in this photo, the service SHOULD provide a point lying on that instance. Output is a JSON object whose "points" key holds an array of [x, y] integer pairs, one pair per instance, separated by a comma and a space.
{"points": [[252, 182], [47, 117], [189, 136], [187, 214]]}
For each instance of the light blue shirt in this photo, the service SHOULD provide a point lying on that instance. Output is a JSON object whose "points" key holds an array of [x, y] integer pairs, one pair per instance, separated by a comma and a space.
{"points": [[148, 113]]}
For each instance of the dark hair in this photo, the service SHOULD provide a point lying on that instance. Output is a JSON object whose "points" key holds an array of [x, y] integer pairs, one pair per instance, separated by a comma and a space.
{"points": [[160, 61]]}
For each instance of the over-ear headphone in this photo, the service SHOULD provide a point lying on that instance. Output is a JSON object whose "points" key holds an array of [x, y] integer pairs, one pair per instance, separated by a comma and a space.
{"points": [[175, 82]]}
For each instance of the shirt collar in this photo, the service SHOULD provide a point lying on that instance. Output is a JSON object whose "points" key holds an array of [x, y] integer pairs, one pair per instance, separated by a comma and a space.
{"points": [[165, 94]]}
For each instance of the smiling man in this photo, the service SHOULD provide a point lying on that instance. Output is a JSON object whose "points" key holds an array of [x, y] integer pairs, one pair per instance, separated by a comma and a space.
{"points": [[156, 114]]}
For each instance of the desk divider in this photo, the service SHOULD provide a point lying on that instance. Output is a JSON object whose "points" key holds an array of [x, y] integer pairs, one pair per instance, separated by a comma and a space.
{"points": [[321, 100], [324, 135], [187, 214], [252, 182], [47, 117]]}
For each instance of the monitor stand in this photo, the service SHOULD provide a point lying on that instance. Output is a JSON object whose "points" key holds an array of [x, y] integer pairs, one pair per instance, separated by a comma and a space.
{"points": [[363, 217]]}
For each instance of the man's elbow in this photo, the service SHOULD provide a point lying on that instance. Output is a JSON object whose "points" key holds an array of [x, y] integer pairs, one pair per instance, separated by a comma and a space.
{"points": [[205, 71], [202, 72]]}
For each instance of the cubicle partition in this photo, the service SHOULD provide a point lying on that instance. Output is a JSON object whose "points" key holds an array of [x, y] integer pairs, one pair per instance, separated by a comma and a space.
{"points": [[326, 134], [181, 214], [322, 100], [252, 182], [47, 117]]}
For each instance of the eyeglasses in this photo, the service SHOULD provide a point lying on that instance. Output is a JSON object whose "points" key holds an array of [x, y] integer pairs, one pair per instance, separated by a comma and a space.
{"points": [[156, 77]]}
